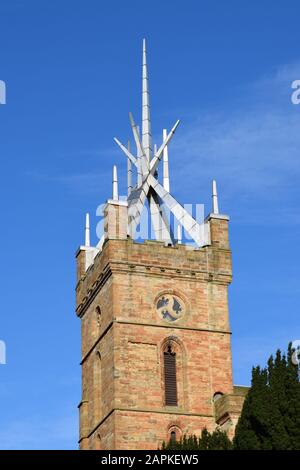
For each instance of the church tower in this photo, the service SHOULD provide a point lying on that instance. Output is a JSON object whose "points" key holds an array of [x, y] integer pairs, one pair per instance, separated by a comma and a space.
{"points": [[156, 355]]}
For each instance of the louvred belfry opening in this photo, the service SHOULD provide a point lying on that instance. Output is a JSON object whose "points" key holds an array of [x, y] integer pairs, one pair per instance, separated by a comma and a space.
{"points": [[170, 377]]}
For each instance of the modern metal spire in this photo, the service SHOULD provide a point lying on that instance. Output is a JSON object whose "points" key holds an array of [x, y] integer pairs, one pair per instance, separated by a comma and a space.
{"points": [[146, 123], [143, 184], [87, 241], [215, 205], [146, 161]]}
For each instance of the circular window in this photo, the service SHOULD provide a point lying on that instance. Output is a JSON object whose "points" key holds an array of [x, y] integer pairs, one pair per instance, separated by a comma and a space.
{"points": [[170, 307]]}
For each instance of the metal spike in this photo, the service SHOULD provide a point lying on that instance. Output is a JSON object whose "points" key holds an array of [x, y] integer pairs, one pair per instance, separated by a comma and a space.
{"points": [[129, 172], [125, 150], [139, 162], [115, 195], [141, 156], [166, 180], [87, 241], [157, 157], [215, 205], [146, 122], [156, 171]]}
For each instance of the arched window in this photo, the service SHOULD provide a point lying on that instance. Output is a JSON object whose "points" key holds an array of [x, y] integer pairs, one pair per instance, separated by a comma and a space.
{"points": [[96, 322], [170, 377], [174, 433], [98, 316], [217, 396]]}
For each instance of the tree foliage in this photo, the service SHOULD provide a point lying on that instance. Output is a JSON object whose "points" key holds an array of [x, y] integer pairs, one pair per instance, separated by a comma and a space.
{"points": [[270, 419], [216, 440]]}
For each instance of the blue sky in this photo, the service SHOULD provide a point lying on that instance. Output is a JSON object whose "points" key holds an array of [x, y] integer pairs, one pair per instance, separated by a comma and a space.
{"points": [[72, 71]]}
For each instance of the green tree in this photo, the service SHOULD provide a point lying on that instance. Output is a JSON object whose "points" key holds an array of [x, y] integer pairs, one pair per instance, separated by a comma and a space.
{"points": [[216, 440], [270, 418], [292, 415], [252, 428]]}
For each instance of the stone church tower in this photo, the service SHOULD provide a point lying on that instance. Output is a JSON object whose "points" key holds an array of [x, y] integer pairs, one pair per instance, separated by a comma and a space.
{"points": [[156, 355]]}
